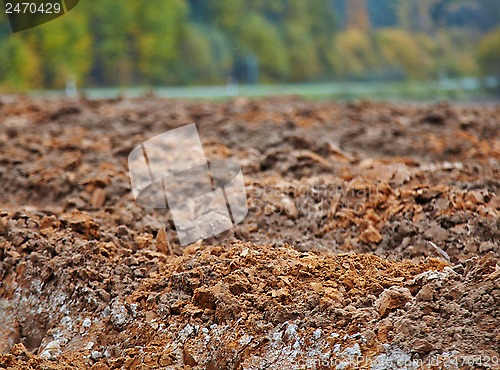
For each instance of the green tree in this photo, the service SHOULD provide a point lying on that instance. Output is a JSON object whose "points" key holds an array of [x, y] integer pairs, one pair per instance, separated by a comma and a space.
{"points": [[260, 37], [455, 53], [65, 46], [157, 39], [227, 14], [488, 53], [19, 65], [352, 54], [112, 24], [323, 26], [197, 61], [304, 41], [401, 51]]}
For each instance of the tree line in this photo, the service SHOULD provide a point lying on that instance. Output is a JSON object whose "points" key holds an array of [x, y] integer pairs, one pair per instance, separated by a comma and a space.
{"points": [[182, 42]]}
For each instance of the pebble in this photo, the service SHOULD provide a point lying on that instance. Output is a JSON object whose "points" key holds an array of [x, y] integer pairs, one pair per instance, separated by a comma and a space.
{"points": [[51, 351]]}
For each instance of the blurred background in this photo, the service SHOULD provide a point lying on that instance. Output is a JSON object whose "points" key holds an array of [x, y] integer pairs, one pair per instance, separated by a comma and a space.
{"points": [[343, 48]]}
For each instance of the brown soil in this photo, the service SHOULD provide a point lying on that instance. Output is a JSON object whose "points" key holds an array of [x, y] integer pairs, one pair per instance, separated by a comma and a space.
{"points": [[372, 239]]}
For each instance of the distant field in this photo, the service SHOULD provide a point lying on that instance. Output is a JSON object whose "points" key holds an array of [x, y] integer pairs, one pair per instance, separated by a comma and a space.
{"points": [[458, 90]]}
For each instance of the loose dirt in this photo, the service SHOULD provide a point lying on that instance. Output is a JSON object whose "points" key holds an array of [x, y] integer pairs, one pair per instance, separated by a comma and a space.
{"points": [[372, 239]]}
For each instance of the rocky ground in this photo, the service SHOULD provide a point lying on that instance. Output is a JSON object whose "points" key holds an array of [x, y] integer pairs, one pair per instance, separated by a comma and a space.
{"points": [[372, 239]]}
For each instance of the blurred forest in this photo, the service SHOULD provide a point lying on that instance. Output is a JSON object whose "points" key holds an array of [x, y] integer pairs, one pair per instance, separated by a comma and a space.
{"points": [[192, 42]]}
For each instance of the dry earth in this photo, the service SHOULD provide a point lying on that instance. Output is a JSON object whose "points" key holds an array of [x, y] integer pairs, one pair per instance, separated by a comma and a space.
{"points": [[372, 239]]}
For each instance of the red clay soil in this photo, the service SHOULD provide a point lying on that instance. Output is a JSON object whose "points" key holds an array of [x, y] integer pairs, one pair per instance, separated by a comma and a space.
{"points": [[372, 239]]}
